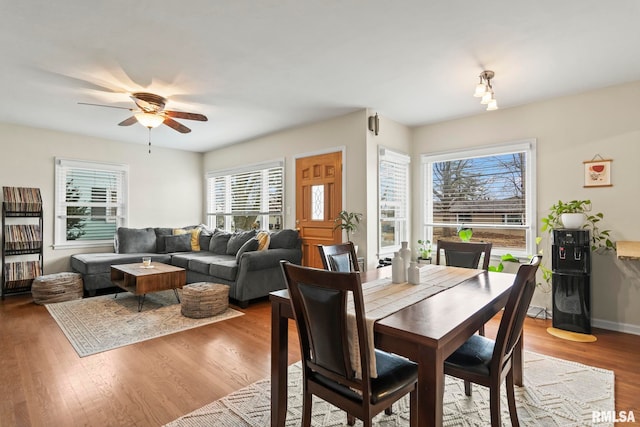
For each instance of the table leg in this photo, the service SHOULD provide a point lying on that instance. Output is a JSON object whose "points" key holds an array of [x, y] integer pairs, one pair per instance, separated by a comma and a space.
{"points": [[175, 291], [141, 301], [279, 359], [430, 387]]}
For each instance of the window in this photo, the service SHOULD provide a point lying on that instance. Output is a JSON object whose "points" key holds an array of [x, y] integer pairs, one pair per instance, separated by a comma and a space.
{"points": [[491, 190], [246, 198], [394, 201], [90, 200]]}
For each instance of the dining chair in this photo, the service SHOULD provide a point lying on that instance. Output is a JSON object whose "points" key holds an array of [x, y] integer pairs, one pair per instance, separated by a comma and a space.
{"points": [[488, 362], [341, 257], [319, 301], [466, 255]]}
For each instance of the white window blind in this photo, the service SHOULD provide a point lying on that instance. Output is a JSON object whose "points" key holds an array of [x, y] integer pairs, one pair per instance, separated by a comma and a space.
{"points": [[394, 199], [90, 200], [251, 197], [490, 190]]}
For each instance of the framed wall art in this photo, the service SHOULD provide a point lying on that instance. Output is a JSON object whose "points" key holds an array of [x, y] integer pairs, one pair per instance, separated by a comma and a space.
{"points": [[597, 173]]}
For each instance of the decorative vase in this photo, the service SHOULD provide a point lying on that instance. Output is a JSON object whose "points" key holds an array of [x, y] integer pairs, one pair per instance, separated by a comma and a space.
{"points": [[413, 273], [405, 253], [572, 220], [398, 272]]}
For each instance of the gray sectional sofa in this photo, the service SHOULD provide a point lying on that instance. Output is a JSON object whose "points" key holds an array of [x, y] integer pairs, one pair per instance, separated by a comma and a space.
{"points": [[247, 261]]}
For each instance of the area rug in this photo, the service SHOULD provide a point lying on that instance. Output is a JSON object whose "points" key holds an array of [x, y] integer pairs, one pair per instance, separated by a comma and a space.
{"points": [[556, 393], [102, 323]]}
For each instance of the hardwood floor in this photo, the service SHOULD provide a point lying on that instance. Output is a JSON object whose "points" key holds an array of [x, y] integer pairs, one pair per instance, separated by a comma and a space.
{"points": [[45, 383]]}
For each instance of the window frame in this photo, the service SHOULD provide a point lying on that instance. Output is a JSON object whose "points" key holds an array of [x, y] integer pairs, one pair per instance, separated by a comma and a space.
{"points": [[399, 158], [529, 147], [264, 213], [62, 167]]}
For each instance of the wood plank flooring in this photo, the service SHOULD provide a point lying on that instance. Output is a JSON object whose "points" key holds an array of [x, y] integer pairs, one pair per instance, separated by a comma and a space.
{"points": [[45, 383]]}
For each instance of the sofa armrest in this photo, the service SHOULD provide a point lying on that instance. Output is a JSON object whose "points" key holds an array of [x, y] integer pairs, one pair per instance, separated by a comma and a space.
{"points": [[259, 260]]}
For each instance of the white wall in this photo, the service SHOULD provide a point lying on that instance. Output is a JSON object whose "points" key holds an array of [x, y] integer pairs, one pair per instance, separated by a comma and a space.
{"points": [[165, 187], [570, 130]]}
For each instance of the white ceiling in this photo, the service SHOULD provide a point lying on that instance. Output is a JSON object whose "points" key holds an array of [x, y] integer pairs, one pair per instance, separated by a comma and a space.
{"points": [[256, 67]]}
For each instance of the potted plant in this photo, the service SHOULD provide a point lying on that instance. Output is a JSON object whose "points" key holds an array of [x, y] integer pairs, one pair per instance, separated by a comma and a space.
{"points": [[465, 233], [348, 221], [559, 212], [424, 250]]}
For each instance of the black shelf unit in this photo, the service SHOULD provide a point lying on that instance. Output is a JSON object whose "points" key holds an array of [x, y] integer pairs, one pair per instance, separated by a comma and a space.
{"points": [[22, 248]]}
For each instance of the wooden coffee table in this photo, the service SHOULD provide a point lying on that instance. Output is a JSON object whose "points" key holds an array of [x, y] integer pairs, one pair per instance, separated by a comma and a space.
{"points": [[141, 280]]}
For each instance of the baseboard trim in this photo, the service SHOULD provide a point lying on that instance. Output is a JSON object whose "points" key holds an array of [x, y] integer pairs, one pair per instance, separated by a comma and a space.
{"points": [[614, 326]]}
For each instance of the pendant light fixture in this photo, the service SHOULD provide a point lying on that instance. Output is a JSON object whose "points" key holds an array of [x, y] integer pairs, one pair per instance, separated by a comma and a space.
{"points": [[484, 90]]}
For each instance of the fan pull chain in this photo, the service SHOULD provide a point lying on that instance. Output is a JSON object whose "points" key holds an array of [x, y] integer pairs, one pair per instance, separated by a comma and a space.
{"points": [[149, 140]]}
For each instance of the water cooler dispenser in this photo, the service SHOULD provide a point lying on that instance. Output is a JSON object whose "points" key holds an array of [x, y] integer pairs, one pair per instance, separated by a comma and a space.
{"points": [[571, 280]]}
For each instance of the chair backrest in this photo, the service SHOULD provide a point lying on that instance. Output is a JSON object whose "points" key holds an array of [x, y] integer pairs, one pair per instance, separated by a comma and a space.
{"points": [[319, 300], [464, 254], [341, 257], [515, 311]]}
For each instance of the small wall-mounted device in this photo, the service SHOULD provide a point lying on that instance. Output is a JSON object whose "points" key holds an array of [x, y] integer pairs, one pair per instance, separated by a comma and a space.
{"points": [[374, 124]]}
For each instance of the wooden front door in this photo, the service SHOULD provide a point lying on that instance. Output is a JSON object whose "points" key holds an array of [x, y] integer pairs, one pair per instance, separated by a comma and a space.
{"points": [[318, 202]]}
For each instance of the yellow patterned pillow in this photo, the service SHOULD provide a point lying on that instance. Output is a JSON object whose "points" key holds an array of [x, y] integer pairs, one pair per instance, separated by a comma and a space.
{"points": [[263, 240], [195, 237]]}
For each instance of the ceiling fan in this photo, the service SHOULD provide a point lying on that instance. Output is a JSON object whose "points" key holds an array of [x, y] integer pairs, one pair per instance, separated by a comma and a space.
{"points": [[150, 112]]}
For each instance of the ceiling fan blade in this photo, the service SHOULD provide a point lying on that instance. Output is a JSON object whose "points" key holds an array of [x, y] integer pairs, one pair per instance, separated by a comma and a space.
{"points": [[176, 126], [187, 116], [144, 105], [108, 106], [128, 122]]}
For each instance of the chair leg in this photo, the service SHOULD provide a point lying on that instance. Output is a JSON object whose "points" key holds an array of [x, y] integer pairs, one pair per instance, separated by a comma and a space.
{"points": [[351, 420], [511, 398], [467, 387], [413, 408], [389, 410], [306, 410], [481, 330], [494, 405]]}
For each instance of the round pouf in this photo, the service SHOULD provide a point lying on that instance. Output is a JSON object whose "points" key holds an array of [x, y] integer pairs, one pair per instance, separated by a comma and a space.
{"points": [[56, 287], [204, 299]]}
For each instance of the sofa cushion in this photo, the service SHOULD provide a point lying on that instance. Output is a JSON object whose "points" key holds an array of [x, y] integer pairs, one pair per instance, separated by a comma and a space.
{"points": [[238, 239], [136, 240], [98, 263], [178, 243], [182, 259], [160, 233], [284, 239], [205, 237], [218, 244], [249, 245], [223, 266]]}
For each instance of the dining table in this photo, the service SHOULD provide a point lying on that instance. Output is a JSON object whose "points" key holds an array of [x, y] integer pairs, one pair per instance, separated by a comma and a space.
{"points": [[426, 332]]}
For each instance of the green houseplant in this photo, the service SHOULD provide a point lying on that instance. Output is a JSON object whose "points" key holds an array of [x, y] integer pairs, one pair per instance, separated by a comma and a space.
{"points": [[600, 239], [348, 221], [424, 249]]}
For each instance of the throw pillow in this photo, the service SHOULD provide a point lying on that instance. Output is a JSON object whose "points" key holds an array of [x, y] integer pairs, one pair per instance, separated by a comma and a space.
{"points": [[218, 243], [178, 243], [136, 240], [160, 233], [249, 246], [238, 239], [263, 240], [284, 239], [195, 236]]}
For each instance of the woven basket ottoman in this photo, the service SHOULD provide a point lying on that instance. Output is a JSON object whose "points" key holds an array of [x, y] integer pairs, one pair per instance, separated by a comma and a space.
{"points": [[56, 288], [204, 299]]}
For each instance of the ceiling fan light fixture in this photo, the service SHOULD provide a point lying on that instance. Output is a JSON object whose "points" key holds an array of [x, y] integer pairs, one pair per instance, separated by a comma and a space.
{"points": [[492, 105], [487, 98], [481, 89], [149, 120]]}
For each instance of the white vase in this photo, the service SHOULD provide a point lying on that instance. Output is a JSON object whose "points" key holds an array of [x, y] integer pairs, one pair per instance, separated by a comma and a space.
{"points": [[572, 220], [413, 273], [398, 272], [405, 253]]}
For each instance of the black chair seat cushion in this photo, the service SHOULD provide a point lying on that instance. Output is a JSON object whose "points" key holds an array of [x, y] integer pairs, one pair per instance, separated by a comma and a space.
{"points": [[394, 373], [474, 355]]}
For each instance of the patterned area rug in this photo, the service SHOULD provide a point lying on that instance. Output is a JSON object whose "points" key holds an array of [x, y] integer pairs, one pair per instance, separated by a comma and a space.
{"points": [[102, 323], [556, 393]]}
